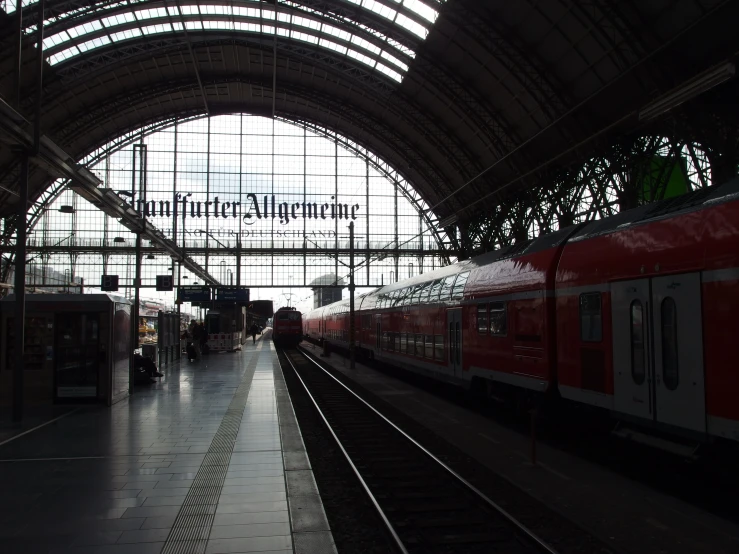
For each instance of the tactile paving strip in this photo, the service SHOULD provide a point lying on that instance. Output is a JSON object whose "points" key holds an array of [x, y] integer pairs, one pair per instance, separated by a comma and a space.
{"points": [[191, 529]]}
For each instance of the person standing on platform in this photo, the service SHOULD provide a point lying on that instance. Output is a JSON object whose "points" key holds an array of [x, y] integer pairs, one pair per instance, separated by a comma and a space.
{"points": [[204, 348], [253, 330]]}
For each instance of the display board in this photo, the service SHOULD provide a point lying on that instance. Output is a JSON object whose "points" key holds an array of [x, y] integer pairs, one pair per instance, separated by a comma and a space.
{"points": [[194, 293], [232, 294]]}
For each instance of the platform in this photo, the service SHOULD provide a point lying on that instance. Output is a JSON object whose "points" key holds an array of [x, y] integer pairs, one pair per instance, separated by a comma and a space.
{"points": [[207, 460], [627, 515]]}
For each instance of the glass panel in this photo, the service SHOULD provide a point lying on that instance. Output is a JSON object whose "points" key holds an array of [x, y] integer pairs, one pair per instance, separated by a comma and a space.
{"points": [[439, 347], [638, 352], [419, 346], [429, 347], [424, 296], [403, 342], [446, 288], [669, 344], [459, 284], [591, 329], [498, 318], [482, 318], [435, 290], [416, 294], [384, 341], [410, 347]]}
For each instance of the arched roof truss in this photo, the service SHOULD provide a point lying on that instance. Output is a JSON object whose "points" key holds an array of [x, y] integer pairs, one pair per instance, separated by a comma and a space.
{"points": [[475, 104]]}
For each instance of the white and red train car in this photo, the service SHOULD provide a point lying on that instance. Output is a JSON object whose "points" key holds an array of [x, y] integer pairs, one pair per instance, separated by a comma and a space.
{"points": [[637, 314]]}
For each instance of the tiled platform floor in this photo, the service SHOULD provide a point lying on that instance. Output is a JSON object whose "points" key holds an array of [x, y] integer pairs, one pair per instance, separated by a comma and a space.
{"points": [[119, 480]]}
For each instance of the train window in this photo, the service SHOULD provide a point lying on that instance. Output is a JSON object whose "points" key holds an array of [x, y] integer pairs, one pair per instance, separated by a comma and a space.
{"points": [[396, 297], [424, 296], [482, 318], [670, 373], [409, 347], [384, 341], [416, 294], [446, 288], [458, 291], [591, 326], [498, 319], [435, 290], [439, 347], [429, 347], [405, 296], [638, 352], [419, 346], [403, 346], [408, 295]]}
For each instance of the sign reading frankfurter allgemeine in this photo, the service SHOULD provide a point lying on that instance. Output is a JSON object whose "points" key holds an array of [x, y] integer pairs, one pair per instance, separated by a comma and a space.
{"points": [[250, 211]]}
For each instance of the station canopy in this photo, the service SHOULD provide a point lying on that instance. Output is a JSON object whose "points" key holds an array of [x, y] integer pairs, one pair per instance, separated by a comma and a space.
{"points": [[473, 103]]}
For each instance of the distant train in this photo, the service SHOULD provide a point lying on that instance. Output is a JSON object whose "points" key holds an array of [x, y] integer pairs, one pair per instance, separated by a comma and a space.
{"points": [[287, 327], [635, 314]]}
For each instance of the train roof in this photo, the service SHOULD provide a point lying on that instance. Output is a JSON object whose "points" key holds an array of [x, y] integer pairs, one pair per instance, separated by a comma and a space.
{"points": [[671, 207], [692, 201]]}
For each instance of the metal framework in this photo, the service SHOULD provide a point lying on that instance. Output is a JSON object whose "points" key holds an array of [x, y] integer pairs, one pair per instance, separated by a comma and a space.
{"points": [[236, 253]]}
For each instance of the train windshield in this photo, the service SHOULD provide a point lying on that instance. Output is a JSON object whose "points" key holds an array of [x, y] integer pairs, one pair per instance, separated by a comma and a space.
{"points": [[288, 316]]}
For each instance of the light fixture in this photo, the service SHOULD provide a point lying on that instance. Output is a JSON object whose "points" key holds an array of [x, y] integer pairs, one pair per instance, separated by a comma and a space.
{"points": [[185, 277], [119, 239], [150, 257], [690, 89], [67, 209]]}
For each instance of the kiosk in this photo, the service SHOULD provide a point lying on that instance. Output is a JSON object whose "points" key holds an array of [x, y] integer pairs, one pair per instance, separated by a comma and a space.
{"points": [[77, 348]]}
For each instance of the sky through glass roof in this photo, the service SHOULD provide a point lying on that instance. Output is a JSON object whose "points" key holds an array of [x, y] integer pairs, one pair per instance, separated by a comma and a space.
{"points": [[117, 22]]}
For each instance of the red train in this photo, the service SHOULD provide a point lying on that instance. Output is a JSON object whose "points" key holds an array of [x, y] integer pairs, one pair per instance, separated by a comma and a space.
{"points": [[635, 314], [287, 329]]}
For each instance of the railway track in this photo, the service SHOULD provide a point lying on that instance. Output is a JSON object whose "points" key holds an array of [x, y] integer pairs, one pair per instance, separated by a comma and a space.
{"points": [[426, 507]]}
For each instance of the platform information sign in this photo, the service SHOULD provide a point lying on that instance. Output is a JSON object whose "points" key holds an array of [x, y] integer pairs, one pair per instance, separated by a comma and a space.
{"points": [[194, 293], [232, 294]]}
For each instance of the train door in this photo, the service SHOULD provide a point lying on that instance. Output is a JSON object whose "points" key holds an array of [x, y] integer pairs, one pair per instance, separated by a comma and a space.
{"points": [[678, 351], [454, 337], [658, 350], [633, 383]]}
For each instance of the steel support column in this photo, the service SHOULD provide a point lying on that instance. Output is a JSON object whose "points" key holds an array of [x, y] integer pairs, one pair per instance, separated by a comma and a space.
{"points": [[20, 292]]}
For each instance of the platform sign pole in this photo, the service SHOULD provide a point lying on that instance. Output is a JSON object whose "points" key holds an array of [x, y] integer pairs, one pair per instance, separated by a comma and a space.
{"points": [[351, 295]]}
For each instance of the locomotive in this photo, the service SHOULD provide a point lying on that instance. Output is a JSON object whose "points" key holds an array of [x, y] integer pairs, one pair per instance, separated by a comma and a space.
{"points": [[633, 314], [287, 329]]}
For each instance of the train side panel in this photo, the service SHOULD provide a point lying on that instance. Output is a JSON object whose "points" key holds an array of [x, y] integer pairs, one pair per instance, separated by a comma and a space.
{"points": [[645, 324], [510, 322]]}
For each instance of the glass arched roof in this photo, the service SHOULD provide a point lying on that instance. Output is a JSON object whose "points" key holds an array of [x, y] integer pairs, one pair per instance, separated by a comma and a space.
{"points": [[117, 22]]}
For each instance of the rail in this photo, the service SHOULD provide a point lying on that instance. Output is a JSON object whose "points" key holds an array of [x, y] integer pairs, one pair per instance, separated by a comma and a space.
{"points": [[538, 544]]}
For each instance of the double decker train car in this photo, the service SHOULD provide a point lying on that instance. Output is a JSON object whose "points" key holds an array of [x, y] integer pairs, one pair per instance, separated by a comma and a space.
{"points": [[287, 327], [632, 314]]}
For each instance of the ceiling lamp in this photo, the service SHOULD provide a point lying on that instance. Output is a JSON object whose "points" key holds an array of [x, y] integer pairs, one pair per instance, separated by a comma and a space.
{"points": [[692, 88], [67, 209], [150, 257], [119, 239]]}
